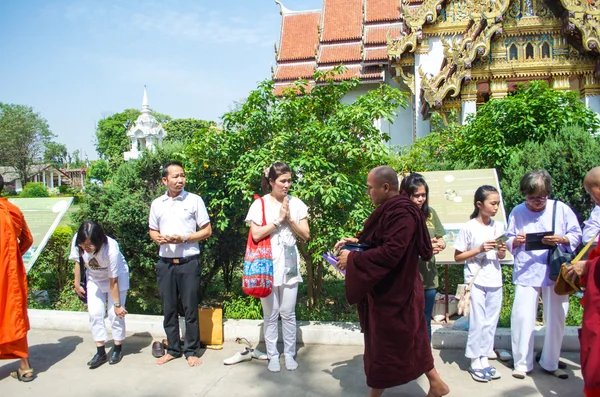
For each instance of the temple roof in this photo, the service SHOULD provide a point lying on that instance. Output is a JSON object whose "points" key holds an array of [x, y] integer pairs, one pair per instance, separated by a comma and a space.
{"points": [[349, 32], [299, 35]]}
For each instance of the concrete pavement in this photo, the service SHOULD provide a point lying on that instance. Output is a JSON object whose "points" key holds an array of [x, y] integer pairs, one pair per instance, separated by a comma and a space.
{"points": [[59, 358]]}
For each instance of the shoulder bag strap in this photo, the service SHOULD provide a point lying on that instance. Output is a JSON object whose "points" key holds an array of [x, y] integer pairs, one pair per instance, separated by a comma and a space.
{"points": [[554, 217], [584, 250], [264, 219]]}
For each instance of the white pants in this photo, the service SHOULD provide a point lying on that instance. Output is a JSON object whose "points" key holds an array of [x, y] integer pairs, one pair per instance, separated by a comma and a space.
{"points": [[97, 308], [282, 301], [523, 326], [483, 319]]}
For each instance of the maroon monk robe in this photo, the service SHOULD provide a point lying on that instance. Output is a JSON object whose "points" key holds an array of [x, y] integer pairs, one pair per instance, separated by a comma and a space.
{"points": [[589, 334], [385, 284]]}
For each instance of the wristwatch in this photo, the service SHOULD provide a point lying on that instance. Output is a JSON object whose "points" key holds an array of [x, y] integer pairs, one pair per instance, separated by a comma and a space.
{"points": [[185, 239], [276, 223], [116, 304]]}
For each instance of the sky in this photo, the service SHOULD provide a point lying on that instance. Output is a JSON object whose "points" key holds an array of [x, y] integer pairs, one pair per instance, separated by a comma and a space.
{"points": [[78, 61]]}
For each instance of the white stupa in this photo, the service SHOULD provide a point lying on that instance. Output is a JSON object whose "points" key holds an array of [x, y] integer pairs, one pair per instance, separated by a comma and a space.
{"points": [[146, 133]]}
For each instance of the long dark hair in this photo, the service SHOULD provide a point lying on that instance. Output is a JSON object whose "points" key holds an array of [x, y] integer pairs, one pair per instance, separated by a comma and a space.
{"points": [[481, 195], [272, 173], [411, 183], [93, 231]]}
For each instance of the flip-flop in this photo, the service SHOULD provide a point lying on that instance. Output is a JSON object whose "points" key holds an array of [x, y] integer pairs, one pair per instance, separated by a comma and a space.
{"points": [[480, 375], [20, 375], [559, 373]]}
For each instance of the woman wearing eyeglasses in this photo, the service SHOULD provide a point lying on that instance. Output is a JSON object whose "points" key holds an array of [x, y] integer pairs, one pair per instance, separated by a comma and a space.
{"points": [[107, 281], [530, 273]]}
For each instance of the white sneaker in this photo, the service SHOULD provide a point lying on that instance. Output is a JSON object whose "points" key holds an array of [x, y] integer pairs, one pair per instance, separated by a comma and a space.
{"points": [[274, 365], [257, 354], [290, 363], [238, 358]]}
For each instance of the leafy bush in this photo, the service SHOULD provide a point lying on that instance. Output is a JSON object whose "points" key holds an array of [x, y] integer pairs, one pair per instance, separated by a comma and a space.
{"points": [[567, 156], [242, 307], [9, 191], [52, 271], [65, 189], [34, 189]]}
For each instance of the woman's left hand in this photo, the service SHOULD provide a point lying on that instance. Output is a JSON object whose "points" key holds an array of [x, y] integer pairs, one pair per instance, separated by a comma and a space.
{"points": [[120, 311], [555, 239]]}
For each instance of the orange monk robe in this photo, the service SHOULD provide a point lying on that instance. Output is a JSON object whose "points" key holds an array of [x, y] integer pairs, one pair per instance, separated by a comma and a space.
{"points": [[15, 239]]}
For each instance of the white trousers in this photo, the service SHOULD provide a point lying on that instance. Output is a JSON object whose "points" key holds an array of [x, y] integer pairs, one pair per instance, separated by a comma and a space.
{"points": [[483, 319], [522, 322], [97, 308], [281, 302]]}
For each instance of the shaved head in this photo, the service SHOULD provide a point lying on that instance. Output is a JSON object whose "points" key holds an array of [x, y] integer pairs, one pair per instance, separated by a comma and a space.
{"points": [[384, 174], [592, 178]]}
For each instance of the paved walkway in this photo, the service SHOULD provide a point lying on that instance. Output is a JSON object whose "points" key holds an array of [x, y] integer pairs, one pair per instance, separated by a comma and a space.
{"points": [[60, 357]]}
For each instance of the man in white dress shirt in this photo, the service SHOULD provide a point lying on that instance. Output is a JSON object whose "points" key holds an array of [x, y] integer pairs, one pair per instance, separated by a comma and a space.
{"points": [[178, 220]]}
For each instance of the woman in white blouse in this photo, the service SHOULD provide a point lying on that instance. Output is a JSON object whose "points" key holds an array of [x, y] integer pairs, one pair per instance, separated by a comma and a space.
{"points": [[286, 219], [530, 273], [107, 281]]}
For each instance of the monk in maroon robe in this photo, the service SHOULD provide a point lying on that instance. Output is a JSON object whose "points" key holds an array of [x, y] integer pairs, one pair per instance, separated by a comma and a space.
{"points": [[588, 275], [385, 284]]}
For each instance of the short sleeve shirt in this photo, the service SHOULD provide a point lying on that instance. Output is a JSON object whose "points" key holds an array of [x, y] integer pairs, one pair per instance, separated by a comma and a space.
{"points": [[471, 236], [181, 215], [105, 264], [283, 236]]}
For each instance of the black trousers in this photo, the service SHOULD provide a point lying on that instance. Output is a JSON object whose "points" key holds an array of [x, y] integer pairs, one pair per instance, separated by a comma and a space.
{"points": [[180, 281]]}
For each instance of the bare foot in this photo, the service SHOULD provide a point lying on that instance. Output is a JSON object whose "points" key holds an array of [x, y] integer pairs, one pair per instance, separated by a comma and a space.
{"points": [[194, 361], [165, 359], [438, 389]]}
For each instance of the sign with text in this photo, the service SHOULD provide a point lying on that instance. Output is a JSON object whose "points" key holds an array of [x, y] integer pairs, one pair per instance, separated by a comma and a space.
{"points": [[42, 216], [451, 195]]}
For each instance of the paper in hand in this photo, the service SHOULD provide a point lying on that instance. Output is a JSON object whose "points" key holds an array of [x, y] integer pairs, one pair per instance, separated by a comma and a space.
{"points": [[331, 259]]}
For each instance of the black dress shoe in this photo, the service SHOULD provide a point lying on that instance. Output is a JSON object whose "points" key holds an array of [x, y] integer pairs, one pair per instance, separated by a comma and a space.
{"points": [[115, 357], [97, 360], [158, 349], [561, 364]]}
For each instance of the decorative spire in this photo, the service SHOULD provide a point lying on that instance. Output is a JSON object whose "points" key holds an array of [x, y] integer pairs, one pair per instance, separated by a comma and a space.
{"points": [[282, 9], [145, 103]]}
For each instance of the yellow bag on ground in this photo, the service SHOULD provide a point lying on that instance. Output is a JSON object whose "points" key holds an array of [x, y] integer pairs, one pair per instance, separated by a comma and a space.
{"points": [[210, 321]]}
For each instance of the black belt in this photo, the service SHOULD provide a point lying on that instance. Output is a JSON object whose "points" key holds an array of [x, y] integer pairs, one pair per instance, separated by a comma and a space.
{"points": [[179, 261]]}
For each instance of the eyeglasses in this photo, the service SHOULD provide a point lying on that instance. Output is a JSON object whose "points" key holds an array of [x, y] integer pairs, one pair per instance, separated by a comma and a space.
{"points": [[538, 199]]}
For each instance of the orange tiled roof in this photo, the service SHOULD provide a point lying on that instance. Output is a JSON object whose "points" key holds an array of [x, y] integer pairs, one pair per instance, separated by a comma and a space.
{"points": [[342, 20], [299, 36], [336, 53], [295, 71], [382, 10], [364, 73], [376, 54], [378, 34]]}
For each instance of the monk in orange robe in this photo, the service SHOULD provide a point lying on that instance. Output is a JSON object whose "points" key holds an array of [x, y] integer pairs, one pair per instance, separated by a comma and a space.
{"points": [[15, 240]]}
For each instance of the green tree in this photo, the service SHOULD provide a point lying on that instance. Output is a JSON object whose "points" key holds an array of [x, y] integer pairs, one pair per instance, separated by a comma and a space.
{"points": [[330, 145], [111, 136], [55, 153], [533, 113], [183, 130], [99, 170], [23, 134], [567, 155]]}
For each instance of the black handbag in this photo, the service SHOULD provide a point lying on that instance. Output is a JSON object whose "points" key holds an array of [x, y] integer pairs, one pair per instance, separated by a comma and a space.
{"points": [[556, 257], [82, 280]]}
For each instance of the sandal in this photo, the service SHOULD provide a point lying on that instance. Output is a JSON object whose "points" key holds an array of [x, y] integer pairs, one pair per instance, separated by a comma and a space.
{"points": [[492, 372], [480, 375], [20, 374]]}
